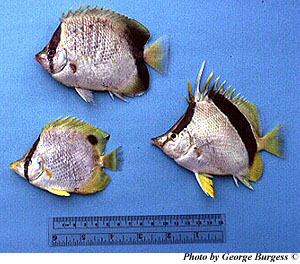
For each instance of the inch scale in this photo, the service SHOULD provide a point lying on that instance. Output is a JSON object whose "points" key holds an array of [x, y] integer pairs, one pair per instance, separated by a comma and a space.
{"points": [[126, 230]]}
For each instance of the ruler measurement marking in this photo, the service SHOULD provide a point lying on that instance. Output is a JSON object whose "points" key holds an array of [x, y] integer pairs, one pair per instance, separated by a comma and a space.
{"points": [[150, 229]]}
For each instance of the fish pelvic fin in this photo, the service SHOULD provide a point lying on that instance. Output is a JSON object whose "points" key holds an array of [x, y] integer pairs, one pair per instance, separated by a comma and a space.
{"points": [[86, 95], [113, 160], [58, 192], [157, 55], [257, 169], [99, 181], [206, 184], [272, 142]]}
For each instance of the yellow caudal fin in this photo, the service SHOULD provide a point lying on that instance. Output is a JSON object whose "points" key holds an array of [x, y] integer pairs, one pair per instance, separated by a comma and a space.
{"points": [[273, 142], [206, 184], [157, 55], [257, 169], [113, 160]]}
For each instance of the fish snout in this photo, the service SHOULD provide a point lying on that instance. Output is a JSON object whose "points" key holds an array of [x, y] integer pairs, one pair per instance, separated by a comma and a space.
{"points": [[38, 57], [157, 142]]}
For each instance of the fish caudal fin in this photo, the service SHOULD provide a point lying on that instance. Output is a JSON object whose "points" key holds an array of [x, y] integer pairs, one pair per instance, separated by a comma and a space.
{"points": [[113, 160], [157, 55], [206, 184], [273, 142]]}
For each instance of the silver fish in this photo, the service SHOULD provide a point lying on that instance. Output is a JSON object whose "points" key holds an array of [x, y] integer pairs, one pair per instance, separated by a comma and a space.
{"points": [[100, 50], [219, 135], [68, 156]]}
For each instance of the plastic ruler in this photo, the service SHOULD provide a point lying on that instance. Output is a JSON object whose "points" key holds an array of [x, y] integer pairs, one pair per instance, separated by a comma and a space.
{"points": [[147, 229]]}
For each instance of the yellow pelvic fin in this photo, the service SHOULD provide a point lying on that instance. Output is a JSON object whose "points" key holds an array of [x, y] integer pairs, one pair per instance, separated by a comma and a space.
{"points": [[157, 55], [273, 142], [113, 160], [206, 184], [58, 192], [257, 169], [99, 181]]}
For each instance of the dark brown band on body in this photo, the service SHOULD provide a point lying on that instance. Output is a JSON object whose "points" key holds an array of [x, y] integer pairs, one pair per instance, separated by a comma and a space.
{"points": [[53, 46], [29, 156], [55, 38], [183, 122], [238, 120]]}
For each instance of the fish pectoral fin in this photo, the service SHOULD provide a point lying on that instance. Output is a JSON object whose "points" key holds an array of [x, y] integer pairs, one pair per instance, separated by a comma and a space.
{"points": [[58, 192], [49, 173], [206, 184], [86, 95]]}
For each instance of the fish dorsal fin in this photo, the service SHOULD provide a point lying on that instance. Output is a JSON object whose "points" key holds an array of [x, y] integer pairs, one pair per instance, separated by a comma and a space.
{"points": [[94, 135], [135, 31], [209, 92], [250, 111]]}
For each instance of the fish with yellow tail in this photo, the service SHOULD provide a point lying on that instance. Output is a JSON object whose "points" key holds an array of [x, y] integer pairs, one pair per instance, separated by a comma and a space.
{"points": [[95, 49], [68, 157], [219, 134]]}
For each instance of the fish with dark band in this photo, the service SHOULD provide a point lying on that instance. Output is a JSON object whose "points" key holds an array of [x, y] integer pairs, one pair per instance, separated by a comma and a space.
{"points": [[100, 50], [219, 134], [68, 156]]}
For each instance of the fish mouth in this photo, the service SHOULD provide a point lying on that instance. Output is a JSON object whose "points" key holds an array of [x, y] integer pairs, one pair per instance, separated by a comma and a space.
{"points": [[157, 142], [39, 58], [14, 165]]}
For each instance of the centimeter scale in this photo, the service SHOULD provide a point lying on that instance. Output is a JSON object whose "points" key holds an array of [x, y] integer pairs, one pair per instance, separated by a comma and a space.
{"points": [[125, 230]]}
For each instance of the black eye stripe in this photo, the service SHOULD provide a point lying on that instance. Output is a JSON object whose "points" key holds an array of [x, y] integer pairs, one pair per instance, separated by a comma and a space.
{"points": [[55, 39], [29, 156]]}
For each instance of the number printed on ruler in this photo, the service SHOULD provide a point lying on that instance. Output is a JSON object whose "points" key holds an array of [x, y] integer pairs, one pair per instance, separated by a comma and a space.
{"points": [[149, 229]]}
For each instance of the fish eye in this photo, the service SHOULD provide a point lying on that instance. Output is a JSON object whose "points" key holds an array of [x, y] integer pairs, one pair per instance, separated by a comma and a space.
{"points": [[50, 53], [173, 136]]}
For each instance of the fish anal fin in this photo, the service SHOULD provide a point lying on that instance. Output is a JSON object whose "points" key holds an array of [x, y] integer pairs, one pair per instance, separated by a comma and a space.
{"points": [[206, 184], [98, 182], [58, 192], [257, 168], [244, 180], [140, 84], [86, 95]]}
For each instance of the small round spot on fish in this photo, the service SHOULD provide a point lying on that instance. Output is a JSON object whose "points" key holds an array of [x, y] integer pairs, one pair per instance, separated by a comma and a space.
{"points": [[73, 67], [90, 26], [92, 139]]}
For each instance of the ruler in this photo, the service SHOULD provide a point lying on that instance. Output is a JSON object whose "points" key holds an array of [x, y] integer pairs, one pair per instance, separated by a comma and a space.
{"points": [[126, 230]]}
